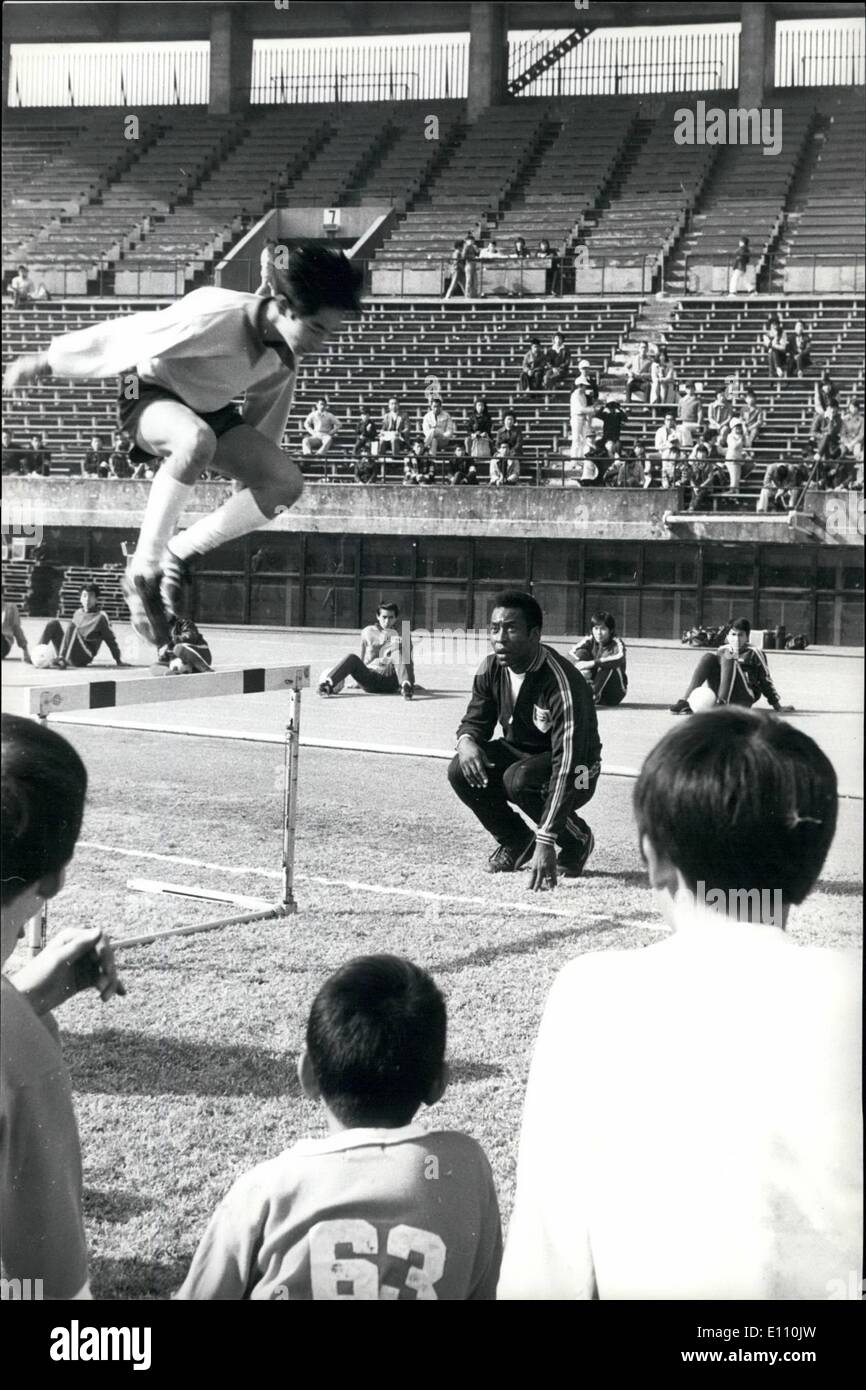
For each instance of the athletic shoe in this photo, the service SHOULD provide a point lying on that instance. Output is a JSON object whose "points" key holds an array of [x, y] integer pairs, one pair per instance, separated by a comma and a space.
{"points": [[191, 657], [572, 860], [175, 585], [681, 707], [146, 611], [325, 689], [407, 690], [507, 859]]}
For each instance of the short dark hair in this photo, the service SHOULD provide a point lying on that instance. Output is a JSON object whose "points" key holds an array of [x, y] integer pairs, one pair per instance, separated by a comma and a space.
{"points": [[529, 606], [604, 619], [44, 785], [741, 625], [376, 1040], [739, 799], [320, 277], [536, 340], [90, 589], [390, 607]]}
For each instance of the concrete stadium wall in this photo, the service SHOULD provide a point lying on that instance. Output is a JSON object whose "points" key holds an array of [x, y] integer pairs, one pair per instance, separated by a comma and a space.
{"points": [[391, 509]]}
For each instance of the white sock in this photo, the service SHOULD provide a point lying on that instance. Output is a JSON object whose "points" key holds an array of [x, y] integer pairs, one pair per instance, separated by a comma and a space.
{"points": [[236, 517], [165, 503]]}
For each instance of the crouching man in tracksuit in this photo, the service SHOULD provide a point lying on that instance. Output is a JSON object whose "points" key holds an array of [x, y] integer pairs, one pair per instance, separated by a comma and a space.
{"points": [[548, 760]]}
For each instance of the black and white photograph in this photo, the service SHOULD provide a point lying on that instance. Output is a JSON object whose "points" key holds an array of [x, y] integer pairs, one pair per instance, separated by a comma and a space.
{"points": [[407, 893]]}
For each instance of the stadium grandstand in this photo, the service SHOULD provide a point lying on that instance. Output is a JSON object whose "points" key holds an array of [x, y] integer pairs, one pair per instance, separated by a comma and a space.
{"points": [[131, 178], [446, 371]]}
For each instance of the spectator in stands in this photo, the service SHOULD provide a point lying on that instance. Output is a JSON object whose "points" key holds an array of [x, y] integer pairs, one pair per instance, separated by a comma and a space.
{"points": [[461, 470], [638, 373], [735, 454], [490, 251], [851, 434], [719, 417], [456, 270], [752, 418], [469, 255], [828, 437], [557, 360], [268, 283], [479, 421], [420, 466], [662, 379], [510, 437], [393, 430], [366, 467], [504, 468], [479, 445], [553, 277], [119, 464], [644, 462], [366, 433], [520, 250], [780, 490], [626, 470], [320, 428], [666, 443], [39, 457], [741, 281], [22, 287], [613, 418], [826, 393], [704, 477], [11, 454], [800, 348], [533, 367], [689, 415], [438, 427], [95, 461], [779, 352], [766, 339], [432, 389], [582, 410]]}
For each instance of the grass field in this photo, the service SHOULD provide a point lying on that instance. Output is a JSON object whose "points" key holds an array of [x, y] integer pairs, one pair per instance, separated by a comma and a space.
{"points": [[190, 1079]]}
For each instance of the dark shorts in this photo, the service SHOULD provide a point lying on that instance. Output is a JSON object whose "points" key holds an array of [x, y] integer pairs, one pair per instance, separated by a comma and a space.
{"points": [[129, 412]]}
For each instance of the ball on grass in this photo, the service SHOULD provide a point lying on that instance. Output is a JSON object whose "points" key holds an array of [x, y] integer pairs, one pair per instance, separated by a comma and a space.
{"points": [[702, 699]]}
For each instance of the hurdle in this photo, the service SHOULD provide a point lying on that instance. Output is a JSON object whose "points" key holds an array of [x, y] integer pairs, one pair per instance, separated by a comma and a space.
{"points": [[42, 701]]}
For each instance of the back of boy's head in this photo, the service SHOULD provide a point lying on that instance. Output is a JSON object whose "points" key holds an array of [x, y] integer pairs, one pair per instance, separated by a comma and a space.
{"points": [[44, 784], [376, 1040], [736, 799]]}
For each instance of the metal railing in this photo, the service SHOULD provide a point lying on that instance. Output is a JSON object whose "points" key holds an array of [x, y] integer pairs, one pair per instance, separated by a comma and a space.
{"points": [[818, 272]]}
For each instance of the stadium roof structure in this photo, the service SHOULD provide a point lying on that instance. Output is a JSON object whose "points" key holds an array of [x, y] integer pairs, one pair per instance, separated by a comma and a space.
{"points": [[29, 21]]}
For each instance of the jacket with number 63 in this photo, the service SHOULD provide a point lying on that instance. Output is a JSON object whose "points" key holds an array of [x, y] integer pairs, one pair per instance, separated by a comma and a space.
{"points": [[554, 713]]}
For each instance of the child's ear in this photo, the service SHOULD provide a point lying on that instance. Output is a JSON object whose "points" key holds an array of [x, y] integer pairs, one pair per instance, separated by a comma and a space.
{"points": [[439, 1087], [662, 874], [51, 884], [307, 1077]]}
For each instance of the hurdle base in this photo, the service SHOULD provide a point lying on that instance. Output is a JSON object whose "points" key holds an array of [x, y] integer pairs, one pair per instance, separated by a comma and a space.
{"points": [[269, 914], [181, 890]]}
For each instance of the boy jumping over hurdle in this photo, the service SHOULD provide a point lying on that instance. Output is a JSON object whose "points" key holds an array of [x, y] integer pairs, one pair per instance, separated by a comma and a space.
{"points": [[181, 369], [381, 1208]]}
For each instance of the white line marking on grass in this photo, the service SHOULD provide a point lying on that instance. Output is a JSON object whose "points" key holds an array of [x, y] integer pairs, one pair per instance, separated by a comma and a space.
{"points": [[384, 890]]}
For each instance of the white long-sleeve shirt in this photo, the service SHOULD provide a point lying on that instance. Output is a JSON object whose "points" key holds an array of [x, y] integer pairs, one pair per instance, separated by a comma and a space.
{"points": [[692, 1126], [207, 348]]}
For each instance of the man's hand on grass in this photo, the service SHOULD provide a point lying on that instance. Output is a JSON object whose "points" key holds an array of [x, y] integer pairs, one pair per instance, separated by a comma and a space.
{"points": [[542, 868], [73, 960]]}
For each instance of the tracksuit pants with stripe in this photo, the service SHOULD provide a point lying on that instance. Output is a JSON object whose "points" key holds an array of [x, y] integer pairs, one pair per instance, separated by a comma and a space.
{"points": [[522, 779]]}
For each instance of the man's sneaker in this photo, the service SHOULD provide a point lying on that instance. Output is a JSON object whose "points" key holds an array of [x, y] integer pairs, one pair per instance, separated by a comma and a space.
{"points": [[175, 585], [325, 689], [507, 859], [191, 657], [572, 860], [681, 707], [146, 611], [407, 690]]}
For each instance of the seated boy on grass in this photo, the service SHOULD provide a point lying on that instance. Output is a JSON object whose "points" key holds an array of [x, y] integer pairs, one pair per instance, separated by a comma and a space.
{"points": [[693, 1122], [44, 783], [381, 1208]]}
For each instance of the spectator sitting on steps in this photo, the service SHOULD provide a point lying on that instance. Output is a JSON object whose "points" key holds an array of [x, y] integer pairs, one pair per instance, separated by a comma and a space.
{"points": [[689, 414], [638, 373], [461, 470], [851, 436], [438, 427], [366, 433], [393, 430], [781, 487], [95, 461], [800, 349], [533, 368], [557, 363], [479, 421], [22, 287], [504, 470], [420, 466], [320, 428]]}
